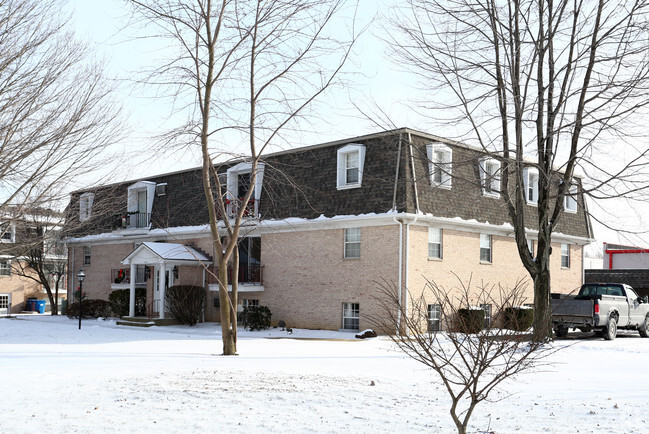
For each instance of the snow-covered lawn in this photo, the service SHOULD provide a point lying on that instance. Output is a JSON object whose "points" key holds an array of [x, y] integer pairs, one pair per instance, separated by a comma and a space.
{"points": [[107, 378]]}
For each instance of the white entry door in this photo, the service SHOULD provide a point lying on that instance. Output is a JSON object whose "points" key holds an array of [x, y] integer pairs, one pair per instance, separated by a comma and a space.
{"points": [[169, 281], [5, 304]]}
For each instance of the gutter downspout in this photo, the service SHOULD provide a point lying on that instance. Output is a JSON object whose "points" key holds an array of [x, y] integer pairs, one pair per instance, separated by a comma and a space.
{"points": [[407, 256], [400, 223]]}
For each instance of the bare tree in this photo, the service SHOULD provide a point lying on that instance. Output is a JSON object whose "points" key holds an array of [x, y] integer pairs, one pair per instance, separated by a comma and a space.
{"points": [[562, 82], [251, 69], [56, 115], [36, 252], [447, 330]]}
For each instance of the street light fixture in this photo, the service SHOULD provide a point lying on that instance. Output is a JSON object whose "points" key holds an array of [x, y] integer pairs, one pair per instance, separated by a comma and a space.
{"points": [[80, 275]]}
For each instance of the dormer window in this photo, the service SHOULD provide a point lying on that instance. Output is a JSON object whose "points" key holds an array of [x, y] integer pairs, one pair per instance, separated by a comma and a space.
{"points": [[570, 200], [85, 206], [140, 204], [351, 159], [439, 164], [238, 183], [490, 177], [7, 233], [531, 185]]}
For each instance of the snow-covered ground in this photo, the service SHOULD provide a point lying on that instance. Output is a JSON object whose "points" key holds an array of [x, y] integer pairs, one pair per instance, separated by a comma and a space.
{"points": [[107, 378]]}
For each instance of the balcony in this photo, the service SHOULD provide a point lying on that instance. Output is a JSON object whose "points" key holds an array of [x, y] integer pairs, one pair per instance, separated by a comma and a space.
{"points": [[233, 206], [133, 220], [122, 276], [251, 278]]}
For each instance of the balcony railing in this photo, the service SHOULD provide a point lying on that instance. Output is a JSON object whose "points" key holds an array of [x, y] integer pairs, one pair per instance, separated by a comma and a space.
{"points": [[233, 206], [132, 220], [248, 275], [123, 275]]}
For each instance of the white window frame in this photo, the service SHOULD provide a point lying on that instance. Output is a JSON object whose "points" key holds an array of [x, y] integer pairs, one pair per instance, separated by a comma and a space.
{"points": [[434, 317], [531, 188], [440, 158], [530, 246], [87, 256], [352, 237], [85, 206], [11, 231], [490, 182], [351, 313], [435, 238], [250, 302], [486, 243], [570, 200], [342, 153], [565, 255], [5, 267], [233, 186], [487, 315]]}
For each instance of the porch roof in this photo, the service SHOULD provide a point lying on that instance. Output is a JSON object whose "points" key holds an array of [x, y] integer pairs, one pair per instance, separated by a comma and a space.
{"points": [[149, 253]]}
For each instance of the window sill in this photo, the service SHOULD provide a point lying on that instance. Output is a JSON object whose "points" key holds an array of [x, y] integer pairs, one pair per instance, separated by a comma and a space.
{"points": [[570, 211], [435, 259], [565, 268], [348, 186], [534, 204], [486, 263], [351, 259], [444, 186], [491, 195]]}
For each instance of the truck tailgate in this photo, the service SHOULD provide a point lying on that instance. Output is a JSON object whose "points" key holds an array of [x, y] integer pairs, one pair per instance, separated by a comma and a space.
{"points": [[570, 307]]}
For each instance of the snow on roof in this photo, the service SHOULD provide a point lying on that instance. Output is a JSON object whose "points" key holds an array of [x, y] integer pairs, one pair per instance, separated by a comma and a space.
{"points": [[171, 252]]}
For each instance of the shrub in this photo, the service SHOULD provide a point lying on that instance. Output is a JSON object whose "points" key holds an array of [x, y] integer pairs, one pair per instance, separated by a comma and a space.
{"points": [[255, 318], [91, 308], [470, 320], [519, 318], [186, 303], [119, 301]]}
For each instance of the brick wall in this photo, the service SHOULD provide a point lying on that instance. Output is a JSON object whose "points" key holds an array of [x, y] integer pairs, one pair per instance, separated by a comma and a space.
{"points": [[307, 280], [461, 255]]}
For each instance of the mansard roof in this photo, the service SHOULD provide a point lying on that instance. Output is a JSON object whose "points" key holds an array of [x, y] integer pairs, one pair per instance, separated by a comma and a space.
{"points": [[303, 183]]}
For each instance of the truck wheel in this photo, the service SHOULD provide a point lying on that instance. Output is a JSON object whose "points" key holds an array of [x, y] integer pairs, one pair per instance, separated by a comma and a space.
{"points": [[611, 330], [561, 332], [644, 328]]}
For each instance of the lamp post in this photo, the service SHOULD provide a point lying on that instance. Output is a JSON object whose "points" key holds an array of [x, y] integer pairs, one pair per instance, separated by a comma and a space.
{"points": [[80, 275]]}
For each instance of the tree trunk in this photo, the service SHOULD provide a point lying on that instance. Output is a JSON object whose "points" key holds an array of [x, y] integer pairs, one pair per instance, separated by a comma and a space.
{"points": [[542, 313], [229, 336]]}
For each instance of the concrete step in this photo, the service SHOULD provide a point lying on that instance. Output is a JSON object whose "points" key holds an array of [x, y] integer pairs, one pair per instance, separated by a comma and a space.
{"points": [[146, 322]]}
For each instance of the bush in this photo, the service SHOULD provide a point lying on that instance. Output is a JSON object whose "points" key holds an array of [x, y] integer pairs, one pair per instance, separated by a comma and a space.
{"points": [[255, 318], [470, 320], [518, 318], [118, 301], [186, 303], [93, 308]]}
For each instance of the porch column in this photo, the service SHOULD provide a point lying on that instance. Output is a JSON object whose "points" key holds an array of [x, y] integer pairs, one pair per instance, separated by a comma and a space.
{"points": [[131, 295], [161, 287]]}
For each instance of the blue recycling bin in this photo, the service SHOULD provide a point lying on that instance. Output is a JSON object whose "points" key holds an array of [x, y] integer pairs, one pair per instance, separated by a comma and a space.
{"points": [[31, 304], [40, 306]]}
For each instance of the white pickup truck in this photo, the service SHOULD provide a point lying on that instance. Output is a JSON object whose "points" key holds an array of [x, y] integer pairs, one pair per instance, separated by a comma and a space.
{"points": [[600, 307]]}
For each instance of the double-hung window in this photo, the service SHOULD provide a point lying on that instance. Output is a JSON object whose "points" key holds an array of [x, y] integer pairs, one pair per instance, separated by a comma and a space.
{"points": [[485, 248], [531, 184], [351, 159], [7, 233], [490, 176], [434, 243], [565, 255], [86, 255], [487, 315], [352, 243], [5, 267], [351, 316], [434, 317], [85, 206], [439, 164], [570, 200]]}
